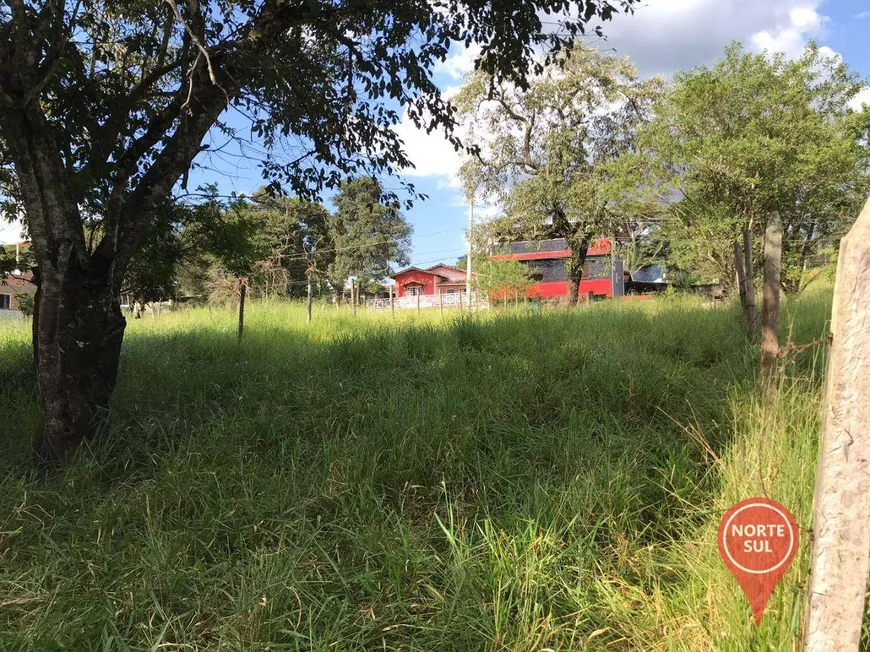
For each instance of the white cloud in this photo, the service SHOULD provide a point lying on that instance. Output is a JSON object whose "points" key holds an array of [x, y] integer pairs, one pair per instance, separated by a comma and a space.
{"points": [[669, 35], [860, 99], [431, 154], [863, 15], [10, 233], [791, 36], [661, 37], [460, 64]]}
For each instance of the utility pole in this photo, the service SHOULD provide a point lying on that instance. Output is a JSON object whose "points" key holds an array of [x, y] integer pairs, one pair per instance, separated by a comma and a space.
{"points": [[468, 258]]}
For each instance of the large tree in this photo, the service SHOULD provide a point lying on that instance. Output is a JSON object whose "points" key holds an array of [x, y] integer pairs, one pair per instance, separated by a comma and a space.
{"points": [[546, 149], [367, 235], [105, 105], [752, 135]]}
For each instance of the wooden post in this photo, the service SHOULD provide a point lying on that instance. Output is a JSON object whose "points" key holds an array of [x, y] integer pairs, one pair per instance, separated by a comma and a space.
{"points": [[441, 303], [392, 305], [353, 291], [741, 275], [841, 511], [589, 296], [516, 299], [308, 299], [770, 297], [243, 290], [460, 303], [749, 271], [418, 303]]}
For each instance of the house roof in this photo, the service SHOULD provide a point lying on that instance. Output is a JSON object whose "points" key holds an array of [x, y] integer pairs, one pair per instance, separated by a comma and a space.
{"points": [[458, 269], [412, 269], [427, 270]]}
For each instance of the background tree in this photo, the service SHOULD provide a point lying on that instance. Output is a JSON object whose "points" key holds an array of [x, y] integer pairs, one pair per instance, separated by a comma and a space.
{"points": [[502, 279], [105, 105], [546, 148], [366, 234], [754, 134], [290, 231]]}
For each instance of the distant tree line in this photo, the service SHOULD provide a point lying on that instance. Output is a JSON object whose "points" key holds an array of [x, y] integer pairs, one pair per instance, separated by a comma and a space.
{"points": [[200, 251], [677, 171]]}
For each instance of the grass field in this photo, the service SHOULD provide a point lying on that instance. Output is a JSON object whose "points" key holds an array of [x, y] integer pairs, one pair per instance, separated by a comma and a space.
{"points": [[516, 481]]}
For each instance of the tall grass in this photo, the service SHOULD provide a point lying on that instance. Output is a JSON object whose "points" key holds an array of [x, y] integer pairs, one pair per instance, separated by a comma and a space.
{"points": [[506, 481]]}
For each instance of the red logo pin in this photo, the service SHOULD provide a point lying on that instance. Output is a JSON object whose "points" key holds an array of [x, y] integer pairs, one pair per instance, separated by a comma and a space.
{"points": [[758, 539]]}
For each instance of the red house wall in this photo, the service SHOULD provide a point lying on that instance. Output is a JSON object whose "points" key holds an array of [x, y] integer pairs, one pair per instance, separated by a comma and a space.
{"points": [[417, 276], [598, 286]]}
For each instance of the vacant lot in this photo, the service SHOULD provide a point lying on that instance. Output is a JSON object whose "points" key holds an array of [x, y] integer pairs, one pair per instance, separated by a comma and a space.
{"points": [[516, 481]]}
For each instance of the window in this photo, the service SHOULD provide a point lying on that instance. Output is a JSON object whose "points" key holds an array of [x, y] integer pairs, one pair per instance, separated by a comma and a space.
{"points": [[5, 302], [413, 290], [451, 291]]}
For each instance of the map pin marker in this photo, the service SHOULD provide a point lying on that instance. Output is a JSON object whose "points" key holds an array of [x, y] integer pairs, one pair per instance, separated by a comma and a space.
{"points": [[758, 539]]}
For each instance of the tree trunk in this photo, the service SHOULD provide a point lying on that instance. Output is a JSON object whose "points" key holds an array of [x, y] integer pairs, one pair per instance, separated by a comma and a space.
{"points": [[79, 332], [575, 263]]}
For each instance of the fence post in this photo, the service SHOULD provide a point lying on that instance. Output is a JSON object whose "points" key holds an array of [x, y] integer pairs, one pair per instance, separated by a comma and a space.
{"points": [[308, 300], [460, 302], [418, 303], [441, 303], [770, 296], [749, 278], [353, 295], [740, 273], [243, 290], [841, 511], [392, 305]]}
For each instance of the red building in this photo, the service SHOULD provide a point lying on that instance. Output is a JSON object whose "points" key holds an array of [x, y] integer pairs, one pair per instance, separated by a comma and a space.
{"points": [[438, 279], [546, 262]]}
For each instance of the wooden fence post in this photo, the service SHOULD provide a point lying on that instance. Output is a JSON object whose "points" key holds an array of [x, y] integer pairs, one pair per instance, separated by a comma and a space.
{"points": [[392, 305], [770, 297], [441, 303], [841, 511], [353, 295], [740, 273], [418, 303], [308, 300], [749, 271], [243, 290], [460, 302]]}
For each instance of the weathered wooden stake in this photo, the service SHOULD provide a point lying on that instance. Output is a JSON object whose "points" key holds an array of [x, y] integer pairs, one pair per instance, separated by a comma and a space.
{"points": [[441, 303], [740, 273], [353, 292], [841, 512], [308, 299], [460, 302], [770, 297], [392, 306], [243, 290], [418, 303], [749, 277]]}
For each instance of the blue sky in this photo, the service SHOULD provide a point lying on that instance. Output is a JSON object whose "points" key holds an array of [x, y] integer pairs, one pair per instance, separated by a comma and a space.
{"points": [[661, 37]]}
